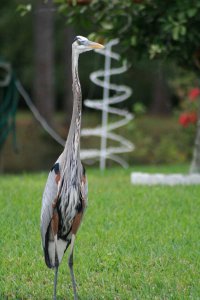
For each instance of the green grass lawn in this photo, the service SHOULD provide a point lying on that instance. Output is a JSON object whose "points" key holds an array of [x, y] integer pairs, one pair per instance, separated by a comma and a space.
{"points": [[136, 242]]}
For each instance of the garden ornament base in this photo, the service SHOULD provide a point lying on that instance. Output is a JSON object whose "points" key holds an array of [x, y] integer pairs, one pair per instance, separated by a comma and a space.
{"points": [[138, 178]]}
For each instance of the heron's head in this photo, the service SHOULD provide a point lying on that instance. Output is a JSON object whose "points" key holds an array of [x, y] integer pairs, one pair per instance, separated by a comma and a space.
{"points": [[82, 44]]}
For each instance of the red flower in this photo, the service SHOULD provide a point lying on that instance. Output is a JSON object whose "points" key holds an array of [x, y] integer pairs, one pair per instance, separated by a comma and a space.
{"points": [[186, 118], [194, 93]]}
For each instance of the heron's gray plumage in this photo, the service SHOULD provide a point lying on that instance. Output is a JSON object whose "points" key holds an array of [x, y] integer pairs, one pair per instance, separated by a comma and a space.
{"points": [[65, 195]]}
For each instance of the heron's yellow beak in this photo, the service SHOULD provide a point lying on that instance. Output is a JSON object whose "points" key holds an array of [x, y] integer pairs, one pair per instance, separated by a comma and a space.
{"points": [[94, 45]]}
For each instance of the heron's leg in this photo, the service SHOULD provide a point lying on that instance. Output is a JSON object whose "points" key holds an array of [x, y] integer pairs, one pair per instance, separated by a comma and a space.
{"points": [[70, 263], [55, 282], [56, 268]]}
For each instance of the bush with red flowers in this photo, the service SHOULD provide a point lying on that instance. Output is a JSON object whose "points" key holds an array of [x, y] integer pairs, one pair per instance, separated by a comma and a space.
{"points": [[194, 94], [186, 119], [190, 106]]}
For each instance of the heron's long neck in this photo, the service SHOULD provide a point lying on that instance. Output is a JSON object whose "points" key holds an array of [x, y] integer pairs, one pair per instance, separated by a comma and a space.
{"points": [[73, 140]]}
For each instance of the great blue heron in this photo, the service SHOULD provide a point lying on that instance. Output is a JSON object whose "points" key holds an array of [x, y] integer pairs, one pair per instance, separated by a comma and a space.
{"points": [[65, 195]]}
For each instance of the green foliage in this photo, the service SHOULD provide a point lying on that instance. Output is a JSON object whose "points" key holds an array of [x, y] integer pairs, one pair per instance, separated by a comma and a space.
{"points": [[23, 9], [157, 140], [16, 38], [169, 29], [181, 81], [139, 108], [135, 242]]}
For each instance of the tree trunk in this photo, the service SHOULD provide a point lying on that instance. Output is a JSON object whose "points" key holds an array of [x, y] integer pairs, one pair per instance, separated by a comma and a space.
{"points": [[44, 58], [161, 99], [68, 98]]}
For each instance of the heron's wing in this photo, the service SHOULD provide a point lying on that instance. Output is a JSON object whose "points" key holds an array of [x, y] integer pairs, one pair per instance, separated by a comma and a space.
{"points": [[49, 195], [84, 188]]}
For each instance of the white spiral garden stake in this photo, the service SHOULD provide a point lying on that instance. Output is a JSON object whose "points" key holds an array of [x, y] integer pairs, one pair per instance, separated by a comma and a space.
{"points": [[104, 131]]}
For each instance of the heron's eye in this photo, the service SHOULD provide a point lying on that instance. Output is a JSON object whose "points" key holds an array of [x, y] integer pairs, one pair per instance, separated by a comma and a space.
{"points": [[79, 42]]}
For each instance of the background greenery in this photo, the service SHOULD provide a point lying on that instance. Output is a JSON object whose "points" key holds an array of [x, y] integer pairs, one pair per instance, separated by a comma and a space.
{"points": [[167, 33], [157, 140], [17, 44]]}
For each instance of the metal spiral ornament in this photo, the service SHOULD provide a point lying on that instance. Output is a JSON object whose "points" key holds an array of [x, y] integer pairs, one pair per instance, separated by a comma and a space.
{"points": [[105, 131]]}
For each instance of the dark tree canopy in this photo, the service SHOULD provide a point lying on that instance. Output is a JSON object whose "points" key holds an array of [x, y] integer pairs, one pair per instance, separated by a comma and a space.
{"points": [[152, 28]]}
